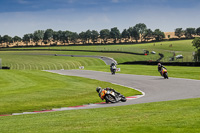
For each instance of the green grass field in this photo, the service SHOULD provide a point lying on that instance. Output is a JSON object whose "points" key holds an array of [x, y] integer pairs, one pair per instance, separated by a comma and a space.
{"points": [[21, 59], [183, 47], [29, 61], [27, 88], [181, 116], [23, 90]]}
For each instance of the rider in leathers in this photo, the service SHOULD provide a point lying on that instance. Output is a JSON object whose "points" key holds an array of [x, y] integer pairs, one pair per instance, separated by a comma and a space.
{"points": [[160, 67], [102, 92], [112, 65]]}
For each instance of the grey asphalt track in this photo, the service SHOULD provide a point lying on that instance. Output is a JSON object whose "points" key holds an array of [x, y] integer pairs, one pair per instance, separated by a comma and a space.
{"points": [[155, 88], [107, 60]]}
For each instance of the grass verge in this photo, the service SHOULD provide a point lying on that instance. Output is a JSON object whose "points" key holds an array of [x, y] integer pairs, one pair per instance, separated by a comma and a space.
{"points": [[180, 116], [36, 90]]}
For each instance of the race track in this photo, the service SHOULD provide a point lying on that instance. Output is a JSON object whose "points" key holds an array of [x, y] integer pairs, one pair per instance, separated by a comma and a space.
{"points": [[107, 60], [155, 88]]}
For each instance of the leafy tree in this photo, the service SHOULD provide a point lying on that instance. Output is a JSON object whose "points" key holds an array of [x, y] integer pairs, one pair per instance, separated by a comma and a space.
{"points": [[198, 31], [31, 36], [134, 33], [38, 35], [179, 32], [26, 38], [158, 35], [189, 32], [7, 39], [196, 44], [66, 36], [88, 35], [0, 39], [105, 35], [141, 28], [130, 33], [125, 34], [115, 34], [148, 34], [17, 39], [48, 35], [74, 37], [55, 36], [60, 35], [94, 36], [83, 37]]}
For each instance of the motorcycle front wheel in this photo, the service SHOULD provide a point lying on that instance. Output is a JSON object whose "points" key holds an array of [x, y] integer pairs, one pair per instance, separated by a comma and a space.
{"points": [[165, 75], [123, 99]]}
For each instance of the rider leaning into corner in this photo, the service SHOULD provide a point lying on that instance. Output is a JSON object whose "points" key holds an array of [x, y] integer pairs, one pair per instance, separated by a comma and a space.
{"points": [[160, 67], [102, 92], [112, 65]]}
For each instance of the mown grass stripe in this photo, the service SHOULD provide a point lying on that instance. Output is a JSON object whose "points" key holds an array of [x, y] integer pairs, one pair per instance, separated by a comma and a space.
{"points": [[68, 67], [22, 62]]}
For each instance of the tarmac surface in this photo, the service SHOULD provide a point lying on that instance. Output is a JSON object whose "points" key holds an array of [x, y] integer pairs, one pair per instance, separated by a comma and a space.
{"points": [[107, 60], [154, 88]]}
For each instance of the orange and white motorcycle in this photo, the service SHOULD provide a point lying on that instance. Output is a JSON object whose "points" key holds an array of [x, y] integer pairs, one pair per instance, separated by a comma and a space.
{"points": [[113, 97], [164, 73]]}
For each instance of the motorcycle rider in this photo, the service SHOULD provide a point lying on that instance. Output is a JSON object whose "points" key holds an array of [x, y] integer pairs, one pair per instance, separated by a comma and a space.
{"points": [[112, 66], [160, 67], [102, 92]]}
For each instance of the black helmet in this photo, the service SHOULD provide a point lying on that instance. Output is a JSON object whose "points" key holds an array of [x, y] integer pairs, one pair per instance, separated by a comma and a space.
{"points": [[98, 89], [112, 64]]}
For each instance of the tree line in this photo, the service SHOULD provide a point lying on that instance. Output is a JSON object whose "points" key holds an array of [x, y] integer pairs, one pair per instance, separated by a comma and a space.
{"points": [[139, 32], [188, 33]]}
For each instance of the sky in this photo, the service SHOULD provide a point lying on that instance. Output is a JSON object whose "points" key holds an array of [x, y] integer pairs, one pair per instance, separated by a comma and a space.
{"points": [[20, 17]]}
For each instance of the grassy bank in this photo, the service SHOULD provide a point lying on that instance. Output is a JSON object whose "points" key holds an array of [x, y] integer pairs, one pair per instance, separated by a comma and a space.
{"points": [[17, 59], [183, 47], [23, 90], [35, 61], [36, 90], [172, 116]]}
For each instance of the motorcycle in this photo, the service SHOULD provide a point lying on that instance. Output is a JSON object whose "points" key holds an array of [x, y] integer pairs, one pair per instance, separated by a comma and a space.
{"points": [[113, 70], [113, 97], [164, 73]]}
